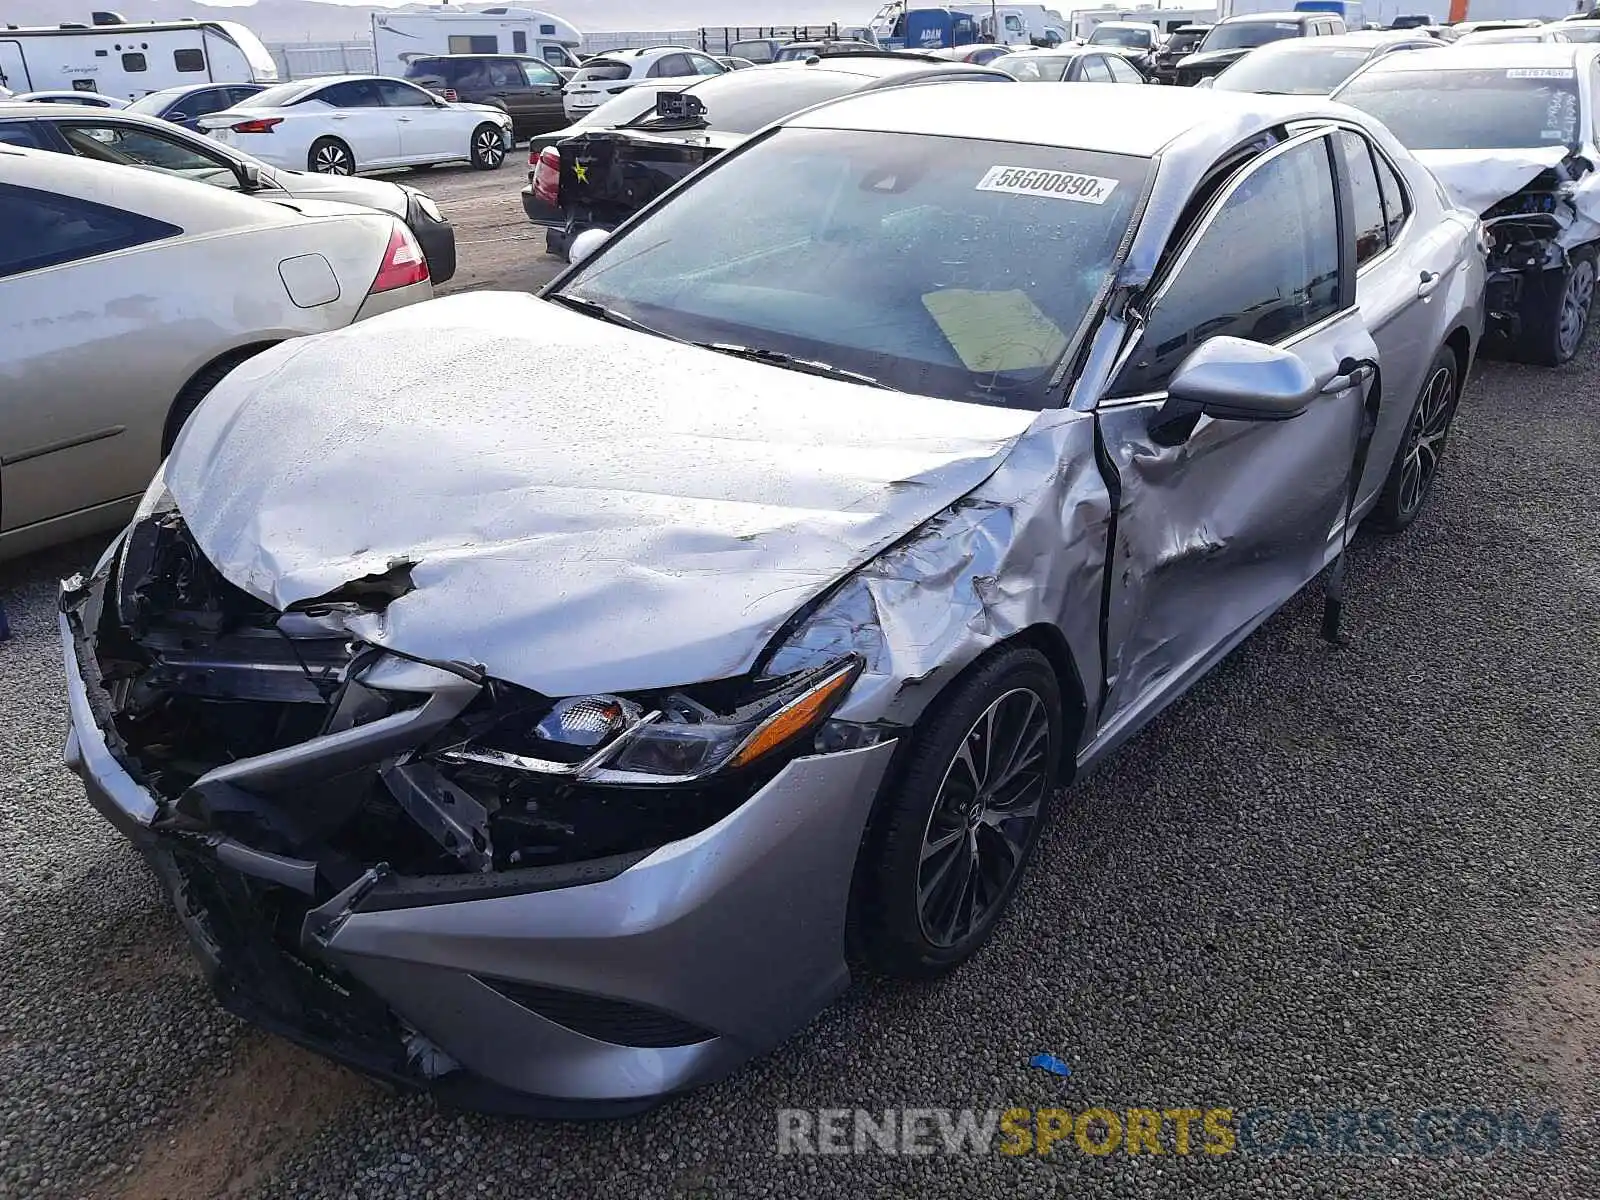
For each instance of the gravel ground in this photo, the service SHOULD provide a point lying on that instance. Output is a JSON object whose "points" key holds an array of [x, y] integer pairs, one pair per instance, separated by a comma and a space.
{"points": [[1355, 879]]}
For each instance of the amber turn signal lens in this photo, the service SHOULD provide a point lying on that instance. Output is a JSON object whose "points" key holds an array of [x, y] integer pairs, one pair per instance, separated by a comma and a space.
{"points": [[795, 717]]}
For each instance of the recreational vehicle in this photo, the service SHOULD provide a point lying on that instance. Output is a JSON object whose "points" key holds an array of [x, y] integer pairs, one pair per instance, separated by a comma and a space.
{"points": [[127, 59], [397, 38]]}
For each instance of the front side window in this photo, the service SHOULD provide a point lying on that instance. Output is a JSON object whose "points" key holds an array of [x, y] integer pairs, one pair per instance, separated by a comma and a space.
{"points": [[1121, 72], [1372, 234], [402, 95], [948, 267], [41, 229], [538, 75], [189, 60], [131, 146], [20, 133], [1094, 69], [1497, 108], [506, 75], [1265, 268], [555, 56], [706, 66]]}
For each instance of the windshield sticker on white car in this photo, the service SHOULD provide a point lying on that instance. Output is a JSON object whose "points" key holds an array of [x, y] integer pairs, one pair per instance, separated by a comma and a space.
{"points": [[1061, 185], [1539, 73]]}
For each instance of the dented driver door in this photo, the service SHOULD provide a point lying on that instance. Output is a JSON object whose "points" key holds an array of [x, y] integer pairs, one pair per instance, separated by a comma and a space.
{"points": [[1219, 522]]}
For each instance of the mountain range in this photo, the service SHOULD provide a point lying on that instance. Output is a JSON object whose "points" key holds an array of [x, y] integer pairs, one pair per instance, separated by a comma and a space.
{"points": [[320, 21]]}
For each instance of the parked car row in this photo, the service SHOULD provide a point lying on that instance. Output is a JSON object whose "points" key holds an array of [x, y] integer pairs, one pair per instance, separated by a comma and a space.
{"points": [[460, 715]]}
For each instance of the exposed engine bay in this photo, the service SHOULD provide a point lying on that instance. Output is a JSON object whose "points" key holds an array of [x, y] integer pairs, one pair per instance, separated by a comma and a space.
{"points": [[281, 731], [1534, 231]]}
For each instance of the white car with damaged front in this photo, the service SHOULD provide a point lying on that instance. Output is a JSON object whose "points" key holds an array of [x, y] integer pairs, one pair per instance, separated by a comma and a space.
{"points": [[346, 124]]}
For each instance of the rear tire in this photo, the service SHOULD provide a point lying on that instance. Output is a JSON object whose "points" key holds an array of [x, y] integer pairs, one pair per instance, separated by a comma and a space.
{"points": [[1416, 463], [1554, 327], [488, 147], [954, 836], [330, 156]]}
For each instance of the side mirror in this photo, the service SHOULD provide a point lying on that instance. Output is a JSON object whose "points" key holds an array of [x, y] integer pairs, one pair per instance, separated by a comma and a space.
{"points": [[1234, 380], [249, 177], [586, 243], [177, 118]]}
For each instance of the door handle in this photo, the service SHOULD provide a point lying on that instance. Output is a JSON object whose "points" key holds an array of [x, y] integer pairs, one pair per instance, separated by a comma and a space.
{"points": [[1340, 383], [406, 119], [340, 116], [502, 93], [1428, 281]]}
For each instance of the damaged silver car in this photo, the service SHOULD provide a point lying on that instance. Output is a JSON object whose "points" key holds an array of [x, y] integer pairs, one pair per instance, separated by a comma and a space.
{"points": [[1509, 130], [554, 701]]}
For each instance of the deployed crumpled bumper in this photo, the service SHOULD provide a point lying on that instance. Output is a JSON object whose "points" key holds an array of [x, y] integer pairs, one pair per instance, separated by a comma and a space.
{"points": [[591, 989], [436, 237]]}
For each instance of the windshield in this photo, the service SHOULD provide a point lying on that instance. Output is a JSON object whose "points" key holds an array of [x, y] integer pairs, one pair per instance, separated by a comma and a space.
{"points": [[1298, 70], [1033, 68], [155, 103], [744, 103], [1184, 41], [1247, 35], [1138, 39], [756, 52], [1498, 109], [943, 266], [283, 93]]}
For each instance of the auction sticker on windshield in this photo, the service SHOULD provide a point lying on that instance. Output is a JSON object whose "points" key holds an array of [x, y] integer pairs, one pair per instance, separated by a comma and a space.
{"points": [[1539, 73], [1062, 185]]}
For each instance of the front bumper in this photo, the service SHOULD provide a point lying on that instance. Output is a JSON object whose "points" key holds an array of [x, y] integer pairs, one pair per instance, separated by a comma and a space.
{"points": [[588, 990]]}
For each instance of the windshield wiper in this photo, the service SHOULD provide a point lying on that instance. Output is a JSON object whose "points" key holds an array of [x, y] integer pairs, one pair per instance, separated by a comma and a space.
{"points": [[610, 316], [789, 362]]}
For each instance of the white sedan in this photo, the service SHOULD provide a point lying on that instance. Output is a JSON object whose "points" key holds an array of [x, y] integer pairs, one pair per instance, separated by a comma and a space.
{"points": [[127, 294], [344, 124], [86, 99]]}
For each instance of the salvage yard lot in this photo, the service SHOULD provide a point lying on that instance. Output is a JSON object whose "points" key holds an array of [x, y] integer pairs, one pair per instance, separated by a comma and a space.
{"points": [[1336, 880]]}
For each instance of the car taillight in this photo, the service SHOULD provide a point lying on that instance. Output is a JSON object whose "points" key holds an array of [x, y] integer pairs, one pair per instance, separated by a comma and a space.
{"points": [[262, 125], [403, 263], [547, 176], [450, 95]]}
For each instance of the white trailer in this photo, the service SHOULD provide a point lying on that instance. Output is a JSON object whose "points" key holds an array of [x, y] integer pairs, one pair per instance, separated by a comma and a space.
{"points": [[397, 38], [128, 59]]}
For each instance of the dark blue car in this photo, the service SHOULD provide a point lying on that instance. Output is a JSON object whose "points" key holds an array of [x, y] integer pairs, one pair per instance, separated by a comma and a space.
{"points": [[186, 105]]}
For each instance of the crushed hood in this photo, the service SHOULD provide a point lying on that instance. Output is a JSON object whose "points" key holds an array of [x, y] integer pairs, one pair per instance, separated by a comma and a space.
{"points": [[1479, 179], [588, 508]]}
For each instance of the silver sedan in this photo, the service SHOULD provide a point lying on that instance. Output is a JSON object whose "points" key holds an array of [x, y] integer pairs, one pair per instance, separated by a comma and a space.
{"points": [[606, 675]]}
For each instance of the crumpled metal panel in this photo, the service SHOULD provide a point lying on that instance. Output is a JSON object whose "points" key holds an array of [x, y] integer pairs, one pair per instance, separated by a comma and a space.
{"points": [[1479, 179], [1026, 548], [587, 509]]}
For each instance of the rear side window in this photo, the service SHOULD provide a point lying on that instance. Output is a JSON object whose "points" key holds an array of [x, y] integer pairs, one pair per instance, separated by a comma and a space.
{"points": [[1372, 235], [1095, 69], [402, 95], [672, 66], [601, 72], [189, 60], [352, 93], [41, 229], [1266, 268], [20, 133]]}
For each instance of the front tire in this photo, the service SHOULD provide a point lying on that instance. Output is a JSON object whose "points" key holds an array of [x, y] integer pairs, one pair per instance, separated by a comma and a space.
{"points": [[1555, 326], [488, 148], [330, 156], [1416, 462], [957, 832]]}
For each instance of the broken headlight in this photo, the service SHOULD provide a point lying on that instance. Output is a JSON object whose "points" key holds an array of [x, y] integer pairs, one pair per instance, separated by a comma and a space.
{"points": [[671, 738]]}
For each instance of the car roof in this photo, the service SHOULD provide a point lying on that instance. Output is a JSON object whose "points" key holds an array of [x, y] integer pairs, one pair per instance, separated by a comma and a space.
{"points": [[1052, 51], [1301, 17], [873, 66], [1106, 117], [1360, 39], [1126, 25], [1492, 55]]}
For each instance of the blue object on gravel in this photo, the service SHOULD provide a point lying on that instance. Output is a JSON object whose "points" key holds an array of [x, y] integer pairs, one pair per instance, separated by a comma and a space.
{"points": [[1049, 1062]]}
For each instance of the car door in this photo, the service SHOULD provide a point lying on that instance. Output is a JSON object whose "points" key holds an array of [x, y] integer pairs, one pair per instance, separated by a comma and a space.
{"points": [[543, 86], [1219, 522], [361, 120], [428, 133], [72, 353], [1401, 271], [509, 87]]}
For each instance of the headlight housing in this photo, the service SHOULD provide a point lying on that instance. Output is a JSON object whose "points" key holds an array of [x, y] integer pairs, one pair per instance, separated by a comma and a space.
{"points": [[666, 739]]}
